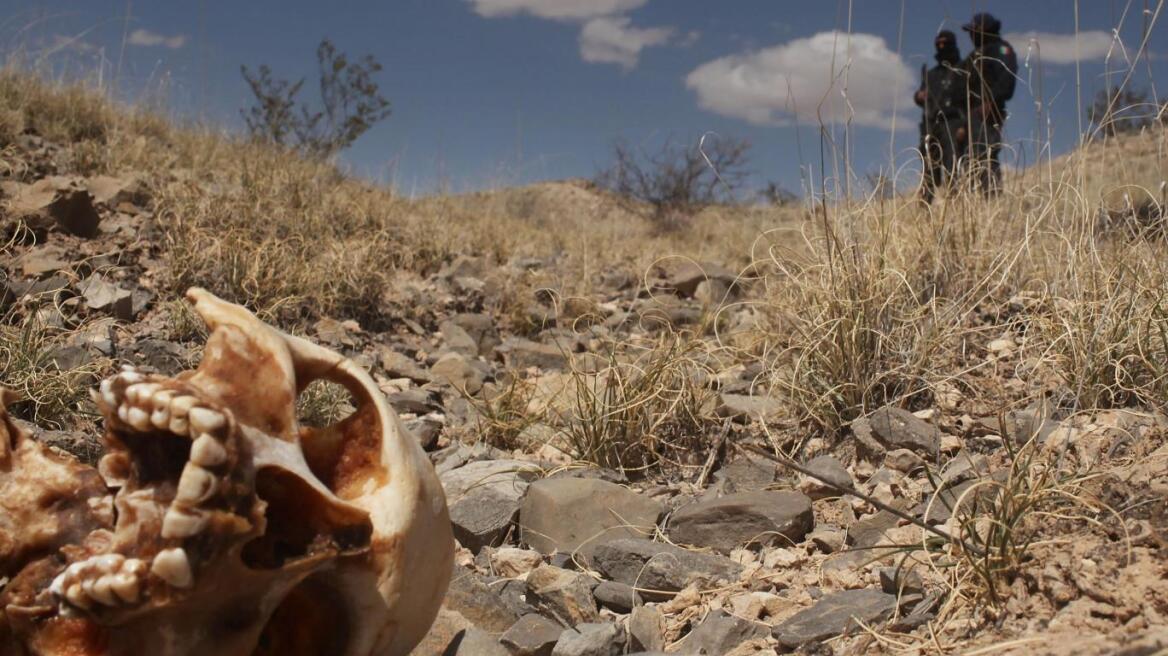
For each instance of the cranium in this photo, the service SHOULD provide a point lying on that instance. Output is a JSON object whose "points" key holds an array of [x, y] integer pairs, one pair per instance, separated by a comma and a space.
{"points": [[232, 529]]}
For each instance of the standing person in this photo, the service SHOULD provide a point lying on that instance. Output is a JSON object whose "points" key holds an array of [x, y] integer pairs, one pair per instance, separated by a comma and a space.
{"points": [[942, 99], [992, 68]]}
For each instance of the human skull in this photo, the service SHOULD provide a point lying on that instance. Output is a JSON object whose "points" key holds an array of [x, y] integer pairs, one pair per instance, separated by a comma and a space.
{"points": [[233, 529]]}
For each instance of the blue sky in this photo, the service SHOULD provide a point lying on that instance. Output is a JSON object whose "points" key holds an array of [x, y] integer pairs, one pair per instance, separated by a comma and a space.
{"points": [[489, 93]]}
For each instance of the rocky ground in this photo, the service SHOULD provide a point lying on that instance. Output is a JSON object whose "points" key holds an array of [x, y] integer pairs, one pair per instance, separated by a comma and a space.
{"points": [[592, 449]]}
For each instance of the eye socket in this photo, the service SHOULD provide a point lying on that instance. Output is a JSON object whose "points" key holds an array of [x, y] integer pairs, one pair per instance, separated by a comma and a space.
{"points": [[312, 620], [323, 403]]}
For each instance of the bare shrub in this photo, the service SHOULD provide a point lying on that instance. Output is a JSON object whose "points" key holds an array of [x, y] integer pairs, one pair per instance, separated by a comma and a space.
{"points": [[350, 104], [678, 180]]}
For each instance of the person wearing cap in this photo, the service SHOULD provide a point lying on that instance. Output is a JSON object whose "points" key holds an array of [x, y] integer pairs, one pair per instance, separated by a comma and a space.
{"points": [[942, 99], [992, 69]]}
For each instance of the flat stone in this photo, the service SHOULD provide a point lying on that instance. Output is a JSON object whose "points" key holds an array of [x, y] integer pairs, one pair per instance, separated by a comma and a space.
{"points": [[397, 365], [647, 629], [749, 408], [737, 520], [592, 639], [454, 370], [519, 353], [562, 594], [745, 473], [684, 276], [532, 635], [414, 401], [578, 514], [512, 562], [835, 615], [482, 517], [113, 191], [107, 297], [657, 569], [825, 468], [896, 428], [470, 595], [475, 642], [456, 339], [616, 596], [481, 329], [41, 260], [425, 430], [719, 633], [59, 203], [508, 477]]}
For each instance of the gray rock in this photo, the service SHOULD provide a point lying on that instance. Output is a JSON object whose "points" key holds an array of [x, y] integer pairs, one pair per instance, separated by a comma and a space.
{"points": [[481, 329], [482, 517], [835, 615], [458, 340], [826, 468], [397, 365], [684, 276], [470, 595], [736, 520], [647, 629], [570, 514], [57, 203], [414, 401], [898, 580], [562, 594], [111, 192], [903, 460], [601, 639], [532, 635], [657, 569], [617, 596], [828, 539], [107, 297], [895, 428], [454, 370], [476, 642], [519, 353], [719, 633], [426, 431], [745, 474], [508, 477], [749, 408]]}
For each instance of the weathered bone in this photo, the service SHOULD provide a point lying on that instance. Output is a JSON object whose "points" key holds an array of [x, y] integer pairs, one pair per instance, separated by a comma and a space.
{"points": [[237, 530]]}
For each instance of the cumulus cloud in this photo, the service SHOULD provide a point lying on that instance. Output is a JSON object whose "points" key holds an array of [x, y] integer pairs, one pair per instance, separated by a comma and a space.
{"points": [[1060, 48], [789, 82], [612, 40], [555, 9], [147, 38]]}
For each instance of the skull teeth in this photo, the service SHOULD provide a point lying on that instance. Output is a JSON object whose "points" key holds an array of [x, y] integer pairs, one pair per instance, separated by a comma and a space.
{"points": [[137, 417], [205, 420], [141, 392], [181, 523], [106, 580], [196, 484], [181, 405], [206, 451], [173, 566], [160, 418]]}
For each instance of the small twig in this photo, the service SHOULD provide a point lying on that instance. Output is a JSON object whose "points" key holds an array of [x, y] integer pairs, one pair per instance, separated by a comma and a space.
{"points": [[712, 457], [847, 489]]}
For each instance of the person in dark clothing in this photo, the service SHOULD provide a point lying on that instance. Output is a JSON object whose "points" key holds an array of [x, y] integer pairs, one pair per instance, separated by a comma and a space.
{"points": [[992, 70], [942, 99]]}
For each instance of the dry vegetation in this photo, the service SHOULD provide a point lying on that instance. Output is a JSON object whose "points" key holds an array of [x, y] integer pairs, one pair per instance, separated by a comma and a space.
{"points": [[856, 306]]}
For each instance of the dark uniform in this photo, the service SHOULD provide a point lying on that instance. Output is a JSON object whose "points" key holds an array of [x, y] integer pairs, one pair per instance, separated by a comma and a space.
{"points": [[942, 99], [992, 68]]}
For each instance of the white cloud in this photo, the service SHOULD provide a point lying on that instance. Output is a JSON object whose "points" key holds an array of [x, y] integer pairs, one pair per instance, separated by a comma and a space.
{"points": [[790, 82], [147, 38], [555, 9], [612, 40], [1060, 48]]}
